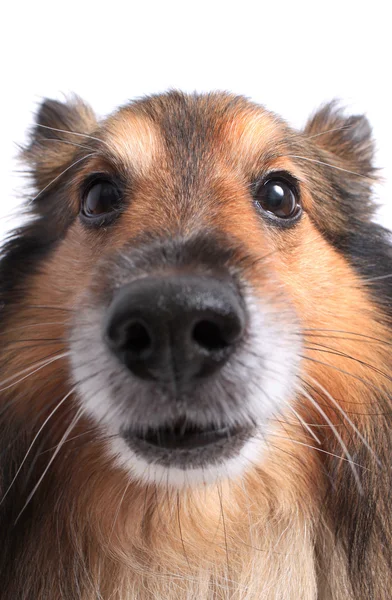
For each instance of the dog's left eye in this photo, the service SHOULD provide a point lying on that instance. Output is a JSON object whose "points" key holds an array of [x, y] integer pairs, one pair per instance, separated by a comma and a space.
{"points": [[279, 197], [101, 197]]}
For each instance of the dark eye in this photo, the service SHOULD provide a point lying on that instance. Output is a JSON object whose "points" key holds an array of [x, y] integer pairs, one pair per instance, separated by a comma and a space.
{"points": [[101, 197], [279, 197]]}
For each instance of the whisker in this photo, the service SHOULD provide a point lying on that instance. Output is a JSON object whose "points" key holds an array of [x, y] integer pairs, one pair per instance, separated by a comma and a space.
{"points": [[29, 342], [59, 446], [345, 416], [377, 278], [42, 366], [42, 324], [65, 142], [289, 439], [49, 307], [336, 433], [33, 442], [61, 174], [335, 352], [77, 133], [100, 438], [320, 162], [304, 424], [311, 137], [38, 414], [6, 405], [357, 377], [368, 338]]}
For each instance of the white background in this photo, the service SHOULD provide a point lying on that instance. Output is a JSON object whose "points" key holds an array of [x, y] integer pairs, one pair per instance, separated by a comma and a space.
{"points": [[289, 56]]}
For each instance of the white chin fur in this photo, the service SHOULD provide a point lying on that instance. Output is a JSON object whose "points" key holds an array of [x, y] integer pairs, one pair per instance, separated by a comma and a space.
{"points": [[146, 472]]}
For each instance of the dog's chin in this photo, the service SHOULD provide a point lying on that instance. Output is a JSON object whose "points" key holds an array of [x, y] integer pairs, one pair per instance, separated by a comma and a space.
{"points": [[183, 455]]}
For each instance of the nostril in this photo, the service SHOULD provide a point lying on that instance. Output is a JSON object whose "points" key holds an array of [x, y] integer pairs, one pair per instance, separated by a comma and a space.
{"points": [[138, 338], [133, 337], [209, 336]]}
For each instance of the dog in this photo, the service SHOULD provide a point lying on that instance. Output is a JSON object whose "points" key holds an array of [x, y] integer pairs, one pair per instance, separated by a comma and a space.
{"points": [[195, 358]]}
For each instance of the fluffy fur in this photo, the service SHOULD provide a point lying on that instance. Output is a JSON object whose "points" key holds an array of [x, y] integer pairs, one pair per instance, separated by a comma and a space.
{"points": [[305, 516]]}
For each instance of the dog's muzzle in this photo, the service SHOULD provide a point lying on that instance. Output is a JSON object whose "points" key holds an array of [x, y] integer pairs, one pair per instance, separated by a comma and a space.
{"points": [[177, 331]]}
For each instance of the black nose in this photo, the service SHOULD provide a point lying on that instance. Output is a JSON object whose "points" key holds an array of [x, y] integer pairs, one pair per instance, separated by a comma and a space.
{"points": [[176, 327]]}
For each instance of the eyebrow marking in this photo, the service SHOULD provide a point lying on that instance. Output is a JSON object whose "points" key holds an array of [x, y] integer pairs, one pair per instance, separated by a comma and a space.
{"points": [[254, 136], [134, 139]]}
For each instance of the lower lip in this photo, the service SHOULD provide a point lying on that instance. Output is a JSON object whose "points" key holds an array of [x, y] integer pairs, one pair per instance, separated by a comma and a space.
{"points": [[169, 443]]}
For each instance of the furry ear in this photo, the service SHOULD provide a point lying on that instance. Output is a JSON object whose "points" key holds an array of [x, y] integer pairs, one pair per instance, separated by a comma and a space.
{"points": [[349, 139], [341, 151], [60, 130]]}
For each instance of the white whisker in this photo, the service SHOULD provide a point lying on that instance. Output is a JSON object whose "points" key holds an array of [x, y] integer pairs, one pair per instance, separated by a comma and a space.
{"points": [[283, 437], [311, 137], [77, 133], [345, 416], [42, 365], [336, 433], [31, 325], [320, 162], [377, 278], [59, 446], [66, 142], [304, 424], [61, 174], [33, 442], [339, 370]]}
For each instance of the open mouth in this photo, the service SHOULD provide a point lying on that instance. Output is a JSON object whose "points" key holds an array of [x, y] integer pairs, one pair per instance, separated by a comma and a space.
{"points": [[184, 436], [184, 444]]}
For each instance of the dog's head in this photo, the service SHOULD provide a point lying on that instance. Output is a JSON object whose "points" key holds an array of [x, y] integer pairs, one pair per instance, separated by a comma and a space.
{"points": [[195, 240]]}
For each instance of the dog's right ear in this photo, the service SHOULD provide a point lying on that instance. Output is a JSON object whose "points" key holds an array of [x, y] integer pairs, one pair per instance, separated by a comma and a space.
{"points": [[59, 131]]}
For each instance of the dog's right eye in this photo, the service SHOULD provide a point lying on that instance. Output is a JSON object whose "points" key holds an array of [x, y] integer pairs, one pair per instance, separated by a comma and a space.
{"points": [[101, 197]]}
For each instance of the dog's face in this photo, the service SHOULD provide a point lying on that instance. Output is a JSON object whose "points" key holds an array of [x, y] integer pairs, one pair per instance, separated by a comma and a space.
{"points": [[194, 249], [195, 357], [178, 347]]}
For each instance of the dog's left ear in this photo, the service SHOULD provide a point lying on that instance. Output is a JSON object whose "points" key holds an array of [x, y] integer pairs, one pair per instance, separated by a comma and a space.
{"points": [[340, 149], [348, 139]]}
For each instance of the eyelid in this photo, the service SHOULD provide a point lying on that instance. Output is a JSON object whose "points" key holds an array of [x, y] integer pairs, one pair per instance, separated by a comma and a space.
{"points": [[281, 175], [94, 178]]}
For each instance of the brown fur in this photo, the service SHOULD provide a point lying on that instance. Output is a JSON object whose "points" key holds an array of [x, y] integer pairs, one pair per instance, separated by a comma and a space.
{"points": [[279, 533]]}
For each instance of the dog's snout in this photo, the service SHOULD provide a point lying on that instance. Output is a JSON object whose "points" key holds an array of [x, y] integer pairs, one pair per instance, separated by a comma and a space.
{"points": [[175, 328]]}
